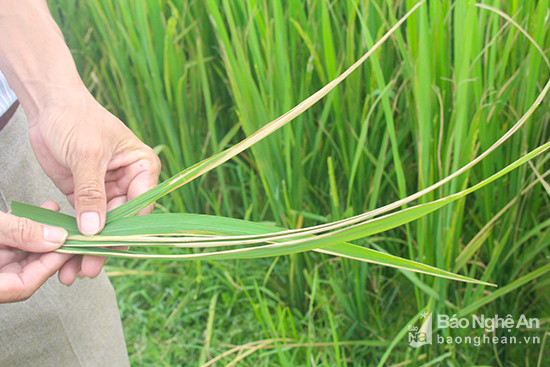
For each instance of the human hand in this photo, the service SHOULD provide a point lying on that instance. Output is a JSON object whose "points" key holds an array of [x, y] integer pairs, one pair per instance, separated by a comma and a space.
{"points": [[23, 272], [95, 160]]}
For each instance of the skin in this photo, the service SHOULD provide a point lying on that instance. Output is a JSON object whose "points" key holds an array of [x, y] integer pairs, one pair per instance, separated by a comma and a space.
{"points": [[89, 154], [23, 272]]}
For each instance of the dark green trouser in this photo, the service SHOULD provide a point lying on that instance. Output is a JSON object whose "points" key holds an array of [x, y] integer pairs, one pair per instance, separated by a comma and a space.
{"points": [[58, 326]]}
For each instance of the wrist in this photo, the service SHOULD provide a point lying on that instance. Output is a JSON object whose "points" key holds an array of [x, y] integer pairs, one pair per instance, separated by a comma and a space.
{"points": [[43, 97], [34, 57], [56, 99]]}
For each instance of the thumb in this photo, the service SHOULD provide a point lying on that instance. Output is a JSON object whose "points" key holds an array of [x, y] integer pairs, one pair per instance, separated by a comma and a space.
{"points": [[24, 234], [90, 200]]}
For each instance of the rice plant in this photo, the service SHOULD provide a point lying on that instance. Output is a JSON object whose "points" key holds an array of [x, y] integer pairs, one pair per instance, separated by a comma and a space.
{"points": [[437, 95]]}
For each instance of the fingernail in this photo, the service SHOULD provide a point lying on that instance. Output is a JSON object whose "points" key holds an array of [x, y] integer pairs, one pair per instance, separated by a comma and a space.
{"points": [[89, 223], [55, 235]]}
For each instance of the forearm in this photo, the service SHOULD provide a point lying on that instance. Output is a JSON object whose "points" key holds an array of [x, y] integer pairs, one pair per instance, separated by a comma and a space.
{"points": [[33, 55]]}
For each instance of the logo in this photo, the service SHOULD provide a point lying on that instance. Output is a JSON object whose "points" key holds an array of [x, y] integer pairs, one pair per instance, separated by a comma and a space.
{"points": [[419, 337], [482, 330]]}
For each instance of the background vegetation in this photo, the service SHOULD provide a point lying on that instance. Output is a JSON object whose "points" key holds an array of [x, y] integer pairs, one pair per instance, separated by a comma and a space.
{"points": [[191, 77]]}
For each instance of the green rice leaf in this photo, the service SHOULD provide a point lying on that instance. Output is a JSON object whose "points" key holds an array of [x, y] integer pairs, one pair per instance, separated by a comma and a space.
{"points": [[194, 224], [45, 216]]}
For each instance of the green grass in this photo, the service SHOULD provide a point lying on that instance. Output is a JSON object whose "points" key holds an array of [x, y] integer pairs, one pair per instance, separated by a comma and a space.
{"points": [[192, 77]]}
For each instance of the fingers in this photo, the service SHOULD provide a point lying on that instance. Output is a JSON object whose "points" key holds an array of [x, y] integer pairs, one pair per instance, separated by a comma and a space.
{"points": [[143, 182], [81, 266], [116, 202], [51, 205], [90, 200], [92, 265], [24, 234], [67, 274], [19, 286], [25, 273]]}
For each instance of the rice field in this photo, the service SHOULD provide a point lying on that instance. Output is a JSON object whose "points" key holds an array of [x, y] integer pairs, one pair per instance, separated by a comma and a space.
{"points": [[192, 78]]}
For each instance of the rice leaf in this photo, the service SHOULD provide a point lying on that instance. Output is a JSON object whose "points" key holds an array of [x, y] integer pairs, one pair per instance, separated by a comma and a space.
{"points": [[215, 225]]}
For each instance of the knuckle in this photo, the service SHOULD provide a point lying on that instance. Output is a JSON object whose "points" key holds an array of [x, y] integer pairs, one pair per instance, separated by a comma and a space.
{"points": [[89, 193], [24, 295], [150, 162], [79, 151], [80, 145], [156, 164], [12, 294], [92, 153], [22, 230]]}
